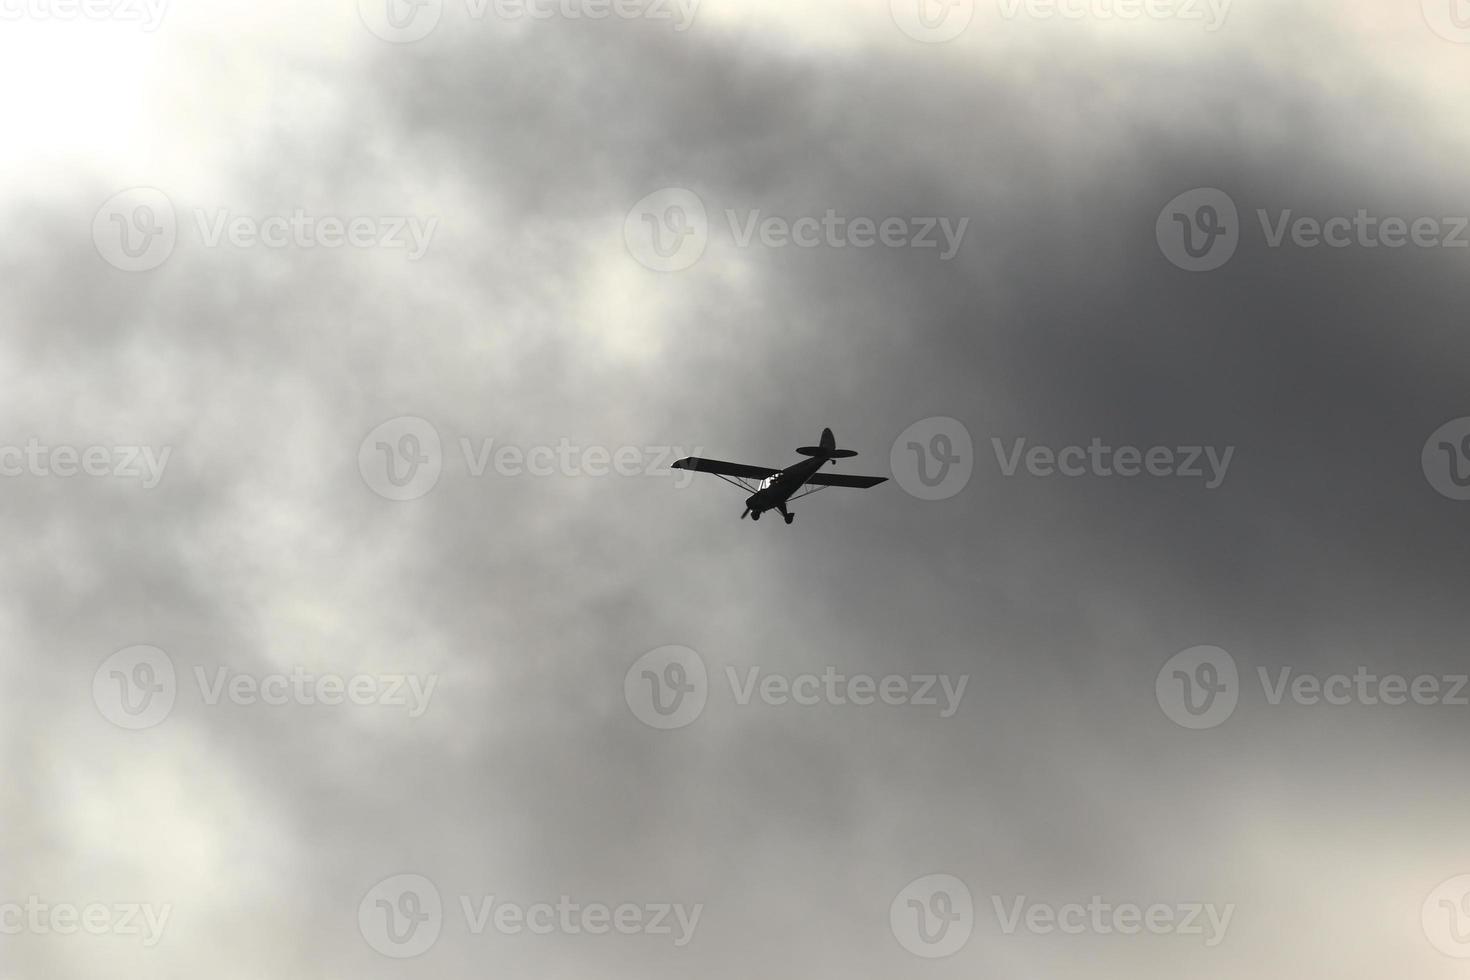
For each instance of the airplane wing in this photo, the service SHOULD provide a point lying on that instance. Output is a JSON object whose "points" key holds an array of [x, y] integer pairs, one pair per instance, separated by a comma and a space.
{"points": [[721, 468], [843, 480]]}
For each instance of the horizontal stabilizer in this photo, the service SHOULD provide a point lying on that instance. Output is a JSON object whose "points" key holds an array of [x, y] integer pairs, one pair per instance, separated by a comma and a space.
{"points": [[826, 453]]}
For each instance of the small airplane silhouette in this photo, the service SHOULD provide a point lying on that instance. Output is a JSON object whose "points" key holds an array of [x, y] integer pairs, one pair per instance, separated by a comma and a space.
{"points": [[777, 488]]}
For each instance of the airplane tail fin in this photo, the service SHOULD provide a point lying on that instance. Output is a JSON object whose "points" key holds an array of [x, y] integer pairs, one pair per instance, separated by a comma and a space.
{"points": [[827, 449]]}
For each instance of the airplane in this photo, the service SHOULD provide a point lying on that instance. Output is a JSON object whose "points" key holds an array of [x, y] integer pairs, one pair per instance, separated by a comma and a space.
{"points": [[777, 488]]}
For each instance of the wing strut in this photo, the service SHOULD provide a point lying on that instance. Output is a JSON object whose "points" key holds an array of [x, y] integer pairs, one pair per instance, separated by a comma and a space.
{"points": [[735, 481]]}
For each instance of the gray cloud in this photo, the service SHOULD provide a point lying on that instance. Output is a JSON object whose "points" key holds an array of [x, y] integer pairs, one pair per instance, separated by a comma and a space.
{"points": [[528, 322]]}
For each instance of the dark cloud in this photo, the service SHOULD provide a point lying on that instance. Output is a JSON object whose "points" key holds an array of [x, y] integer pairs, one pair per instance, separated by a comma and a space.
{"points": [[528, 323]]}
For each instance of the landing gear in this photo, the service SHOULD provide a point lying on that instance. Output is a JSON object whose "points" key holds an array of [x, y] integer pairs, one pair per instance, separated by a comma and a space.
{"points": [[789, 517], [786, 514], [755, 515]]}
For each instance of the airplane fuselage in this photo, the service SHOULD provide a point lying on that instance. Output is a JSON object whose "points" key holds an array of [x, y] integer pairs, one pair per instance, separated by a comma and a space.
{"points": [[776, 490]]}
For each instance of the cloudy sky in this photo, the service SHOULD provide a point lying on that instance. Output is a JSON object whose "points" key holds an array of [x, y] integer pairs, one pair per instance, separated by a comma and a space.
{"points": [[357, 625]]}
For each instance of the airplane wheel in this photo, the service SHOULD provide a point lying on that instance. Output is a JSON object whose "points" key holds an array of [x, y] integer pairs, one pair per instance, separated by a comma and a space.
{"points": [[790, 518], [755, 515]]}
